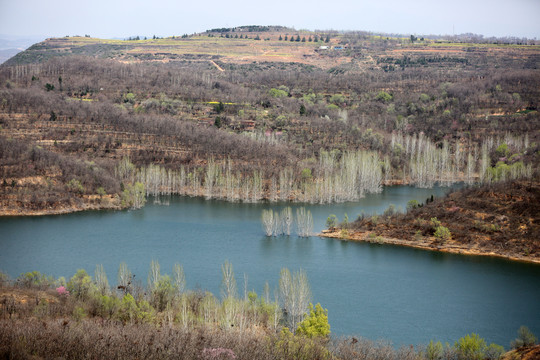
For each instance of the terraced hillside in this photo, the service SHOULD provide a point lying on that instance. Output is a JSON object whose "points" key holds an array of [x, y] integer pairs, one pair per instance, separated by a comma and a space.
{"points": [[247, 114]]}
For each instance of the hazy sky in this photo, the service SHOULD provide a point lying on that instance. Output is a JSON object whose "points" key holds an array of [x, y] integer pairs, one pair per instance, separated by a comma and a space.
{"points": [[122, 18]]}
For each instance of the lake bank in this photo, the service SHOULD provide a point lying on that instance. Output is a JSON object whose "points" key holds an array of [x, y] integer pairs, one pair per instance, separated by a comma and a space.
{"points": [[85, 203], [429, 244], [10, 207], [501, 220]]}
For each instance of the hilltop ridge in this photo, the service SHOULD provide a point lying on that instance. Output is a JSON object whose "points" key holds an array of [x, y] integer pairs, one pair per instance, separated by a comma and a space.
{"points": [[345, 51]]}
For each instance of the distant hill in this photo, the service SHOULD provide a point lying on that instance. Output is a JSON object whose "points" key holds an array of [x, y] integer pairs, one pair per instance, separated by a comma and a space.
{"points": [[7, 54], [330, 50], [17, 42], [11, 45]]}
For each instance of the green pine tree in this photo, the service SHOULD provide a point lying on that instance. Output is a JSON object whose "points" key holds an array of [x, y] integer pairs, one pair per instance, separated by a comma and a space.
{"points": [[316, 323]]}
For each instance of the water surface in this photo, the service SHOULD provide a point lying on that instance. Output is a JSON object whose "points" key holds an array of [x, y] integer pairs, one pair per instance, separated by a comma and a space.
{"points": [[404, 295]]}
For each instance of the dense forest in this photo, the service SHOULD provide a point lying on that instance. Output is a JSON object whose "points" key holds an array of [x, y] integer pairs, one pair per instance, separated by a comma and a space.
{"points": [[88, 125]]}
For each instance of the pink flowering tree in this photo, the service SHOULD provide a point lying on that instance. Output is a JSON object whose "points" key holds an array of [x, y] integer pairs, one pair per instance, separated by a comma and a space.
{"points": [[62, 291]]}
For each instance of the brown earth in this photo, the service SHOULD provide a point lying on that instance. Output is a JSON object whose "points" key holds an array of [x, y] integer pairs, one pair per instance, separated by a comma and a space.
{"points": [[85, 203], [425, 244], [26, 296], [501, 220], [525, 353]]}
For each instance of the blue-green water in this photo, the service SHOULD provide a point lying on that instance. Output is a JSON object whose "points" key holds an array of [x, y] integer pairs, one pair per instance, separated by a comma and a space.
{"points": [[404, 295]]}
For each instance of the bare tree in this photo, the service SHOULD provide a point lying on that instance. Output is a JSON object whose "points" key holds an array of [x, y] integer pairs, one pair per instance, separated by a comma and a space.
{"points": [[286, 220], [228, 293], [228, 282], [304, 222], [179, 279], [267, 219], [100, 279], [124, 278], [295, 295], [154, 275]]}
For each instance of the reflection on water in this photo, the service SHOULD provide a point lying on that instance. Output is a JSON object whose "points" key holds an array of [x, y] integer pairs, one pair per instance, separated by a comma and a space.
{"points": [[406, 295]]}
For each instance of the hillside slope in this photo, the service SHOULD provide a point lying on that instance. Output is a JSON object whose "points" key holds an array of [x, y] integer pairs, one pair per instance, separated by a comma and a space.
{"points": [[246, 114], [497, 220]]}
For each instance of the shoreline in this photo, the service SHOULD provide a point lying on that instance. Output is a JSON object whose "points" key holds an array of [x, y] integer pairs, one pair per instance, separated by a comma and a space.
{"points": [[428, 245], [21, 212], [114, 203]]}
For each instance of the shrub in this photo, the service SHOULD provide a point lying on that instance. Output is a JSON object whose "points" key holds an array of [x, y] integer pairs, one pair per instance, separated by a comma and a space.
{"points": [[375, 239], [306, 174], [79, 313], [129, 98], [35, 279], [502, 151], [337, 99], [42, 309], [443, 234], [61, 281], [134, 196], [316, 323], [219, 107], [277, 93], [421, 223], [101, 191], [345, 222], [412, 204], [434, 351], [163, 293], [289, 346], [525, 338], [75, 186], [310, 98], [331, 222], [132, 312], [383, 96], [81, 285], [332, 107], [471, 347], [128, 309], [281, 121], [391, 210], [494, 352], [435, 223], [107, 306], [4, 278]]}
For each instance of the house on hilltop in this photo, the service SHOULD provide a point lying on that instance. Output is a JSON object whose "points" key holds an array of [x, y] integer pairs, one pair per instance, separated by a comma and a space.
{"points": [[247, 125]]}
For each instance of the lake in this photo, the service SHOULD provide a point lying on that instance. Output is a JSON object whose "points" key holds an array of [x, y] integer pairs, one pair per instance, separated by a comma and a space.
{"points": [[403, 295]]}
